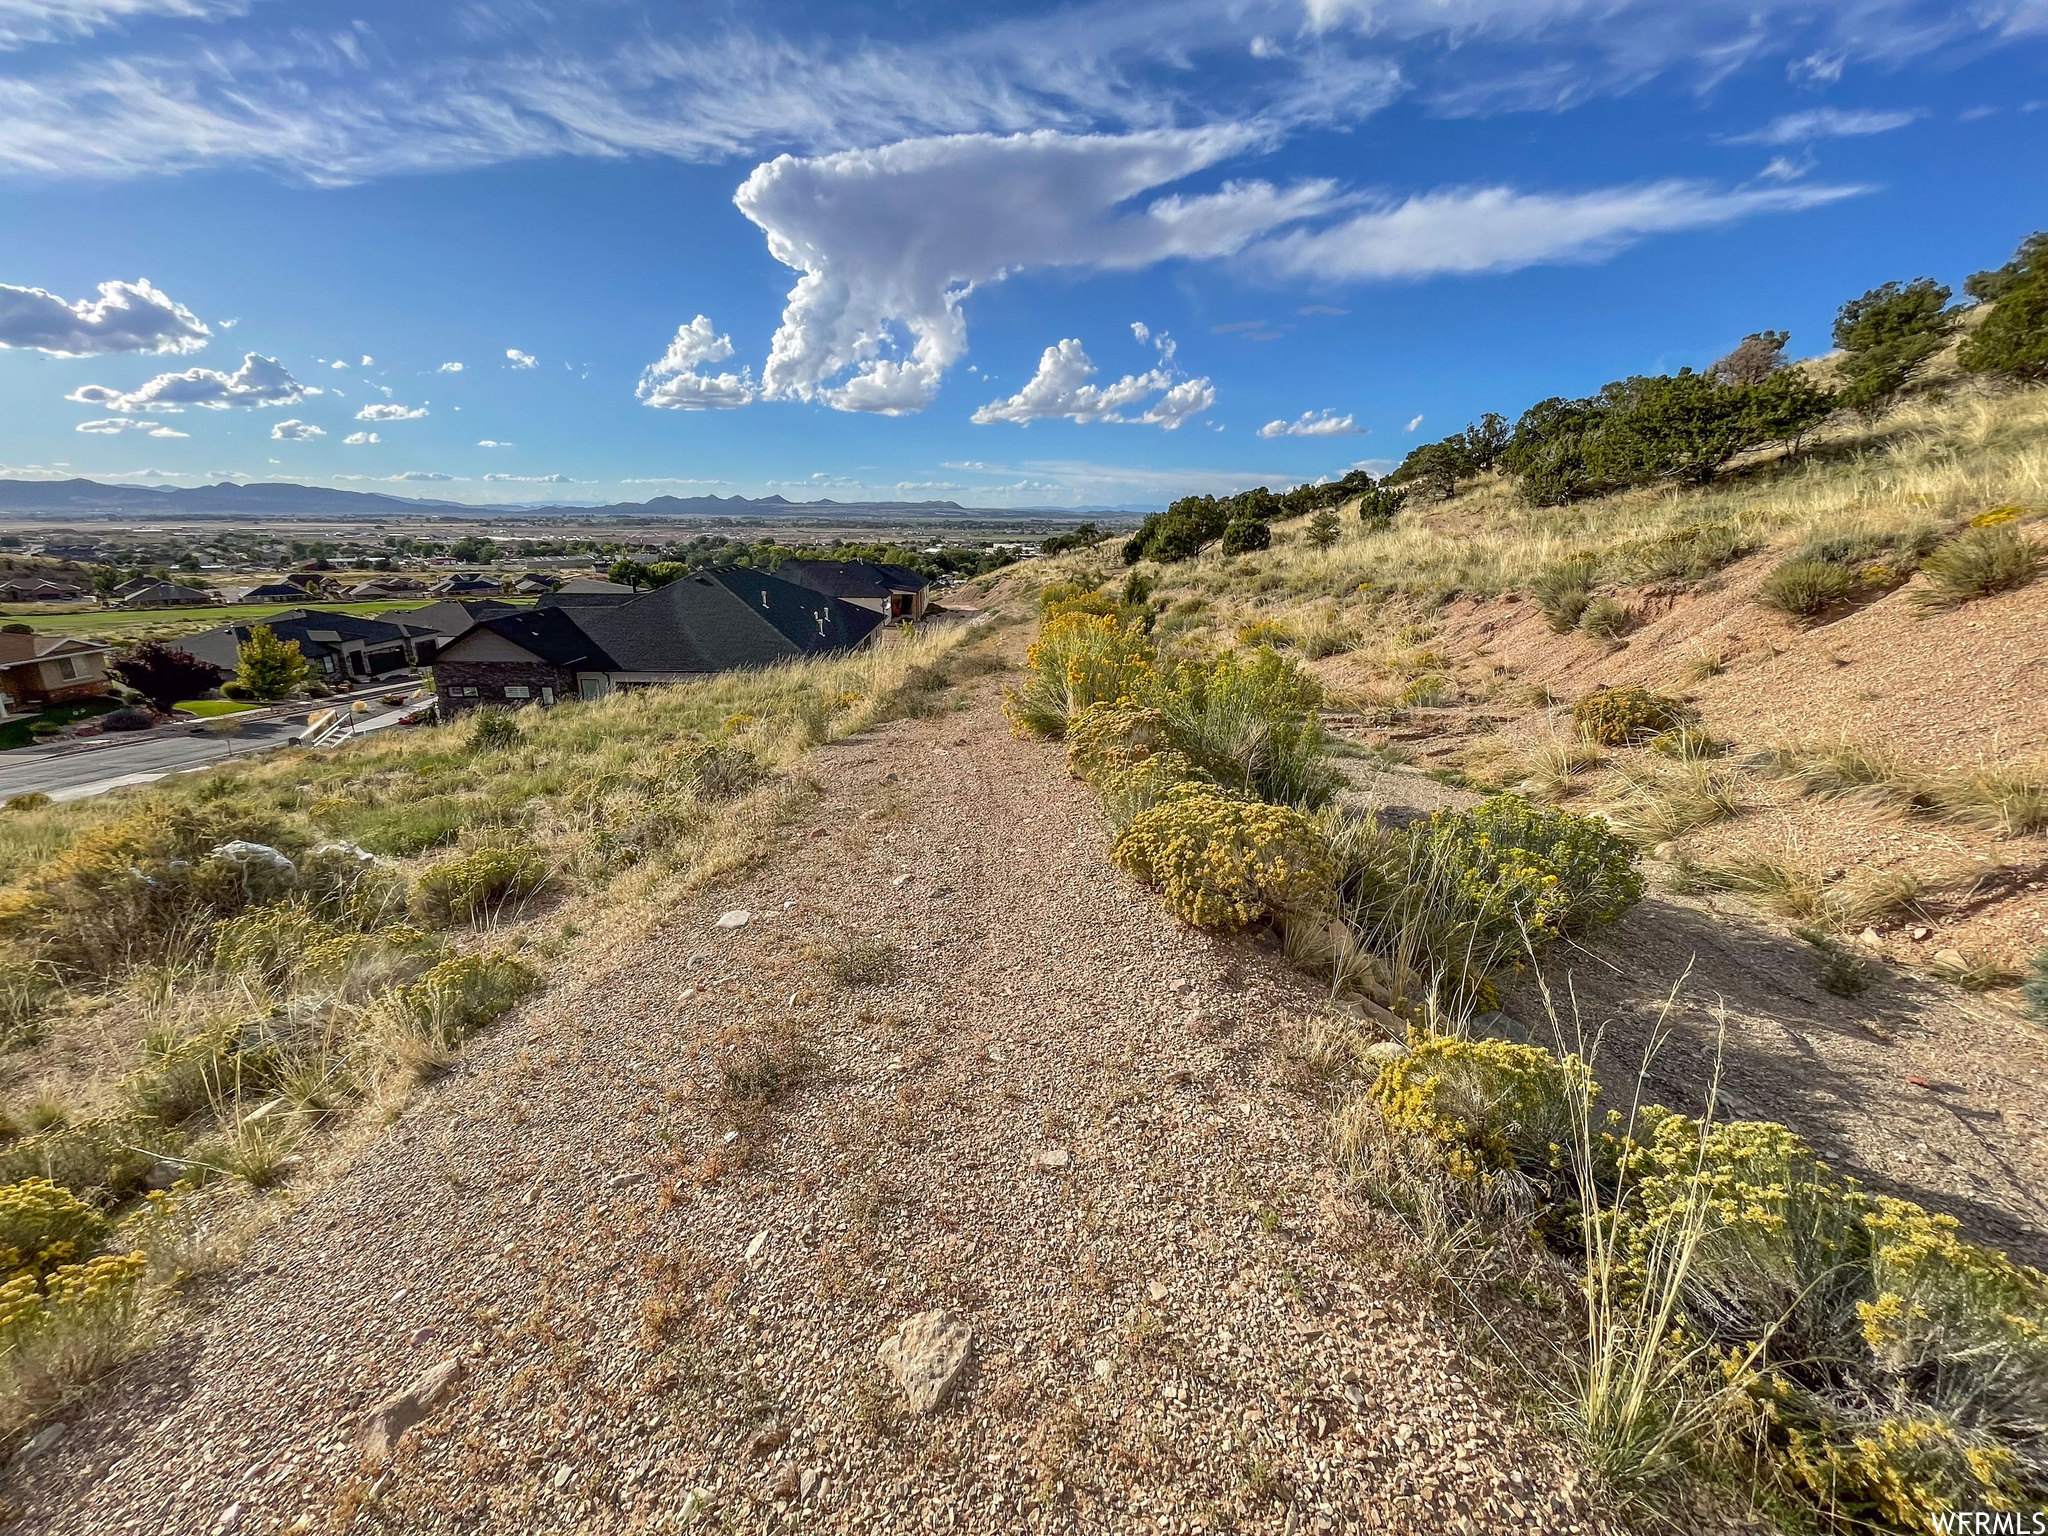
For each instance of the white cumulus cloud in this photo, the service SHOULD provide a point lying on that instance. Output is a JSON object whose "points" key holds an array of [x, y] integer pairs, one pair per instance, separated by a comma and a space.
{"points": [[390, 412], [338, 363], [421, 474], [518, 359], [449, 368], [492, 442], [358, 439], [1827, 123], [1313, 424], [258, 383], [296, 431], [673, 383], [1413, 423], [533, 479], [891, 241], [126, 317], [1060, 390], [114, 425]]}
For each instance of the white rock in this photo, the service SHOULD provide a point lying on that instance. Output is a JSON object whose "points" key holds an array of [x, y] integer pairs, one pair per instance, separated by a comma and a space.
{"points": [[900, 881], [229, 1518], [736, 918], [1156, 1291], [926, 1355], [383, 1424], [1104, 1369], [1054, 1157], [1381, 1052]]}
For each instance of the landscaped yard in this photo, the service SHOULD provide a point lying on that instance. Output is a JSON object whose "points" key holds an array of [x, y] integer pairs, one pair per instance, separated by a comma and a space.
{"points": [[15, 733], [206, 709]]}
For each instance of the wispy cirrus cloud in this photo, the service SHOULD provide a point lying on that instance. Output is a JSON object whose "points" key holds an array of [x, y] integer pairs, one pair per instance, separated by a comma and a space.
{"points": [[431, 90], [1826, 123]]}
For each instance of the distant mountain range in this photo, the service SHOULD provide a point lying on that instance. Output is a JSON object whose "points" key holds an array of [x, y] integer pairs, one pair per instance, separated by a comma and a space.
{"points": [[90, 498]]}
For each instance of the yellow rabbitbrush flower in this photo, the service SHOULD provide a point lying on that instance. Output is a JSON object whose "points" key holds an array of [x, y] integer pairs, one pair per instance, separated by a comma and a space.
{"points": [[42, 1226], [1222, 862], [1077, 660]]}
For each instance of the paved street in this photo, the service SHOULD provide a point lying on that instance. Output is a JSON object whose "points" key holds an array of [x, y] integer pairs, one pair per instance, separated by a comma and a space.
{"points": [[74, 775]]}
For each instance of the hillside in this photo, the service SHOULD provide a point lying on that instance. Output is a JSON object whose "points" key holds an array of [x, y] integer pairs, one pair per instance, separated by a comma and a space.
{"points": [[620, 1115]]}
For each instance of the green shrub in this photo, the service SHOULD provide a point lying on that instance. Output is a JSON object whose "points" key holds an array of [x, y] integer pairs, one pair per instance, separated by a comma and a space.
{"points": [[491, 729], [721, 771], [2035, 988], [1469, 893], [290, 946], [477, 885], [1628, 716], [1105, 738], [408, 827], [1428, 691], [2013, 338], [1605, 618], [1686, 554], [1220, 861], [1486, 1105], [148, 886], [1158, 776], [1077, 660], [1563, 593], [43, 1225], [1979, 562], [1804, 589], [238, 691], [34, 800], [1250, 720], [1245, 536], [99, 1158], [461, 995]]}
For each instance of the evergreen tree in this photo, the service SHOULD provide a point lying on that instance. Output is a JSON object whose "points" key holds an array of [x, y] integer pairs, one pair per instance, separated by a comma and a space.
{"points": [[1323, 529], [1756, 358], [2013, 338], [270, 668], [1245, 535], [1886, 336]]}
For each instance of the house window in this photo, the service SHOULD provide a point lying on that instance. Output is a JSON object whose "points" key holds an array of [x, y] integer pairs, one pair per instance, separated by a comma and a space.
{"points": [[461, 693], [547, 695], [66, 667], [518, 691]]}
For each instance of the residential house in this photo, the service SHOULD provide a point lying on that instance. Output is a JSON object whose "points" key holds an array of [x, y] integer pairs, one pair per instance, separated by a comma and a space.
{"points": [[436, 624], [160, 594], [533, 584], [340, 646], [39, 670], [894, 591], [38, 589], [465, 586], [266, 592], [711, 621]]}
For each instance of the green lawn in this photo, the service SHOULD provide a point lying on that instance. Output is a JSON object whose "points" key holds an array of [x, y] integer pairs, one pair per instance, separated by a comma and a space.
{"points": [[14, 733], [169, 623], [207, 708]]}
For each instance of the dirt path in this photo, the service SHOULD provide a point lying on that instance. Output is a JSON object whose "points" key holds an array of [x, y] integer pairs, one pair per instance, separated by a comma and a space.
{"points": [[1067, 1121]]}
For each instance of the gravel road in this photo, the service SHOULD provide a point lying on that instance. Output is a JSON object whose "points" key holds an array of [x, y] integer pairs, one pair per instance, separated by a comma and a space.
{"points": [[1067, 1122]]}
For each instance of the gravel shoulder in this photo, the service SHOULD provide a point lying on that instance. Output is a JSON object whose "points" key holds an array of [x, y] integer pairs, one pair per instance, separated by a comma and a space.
{"points": [[665, 1214]]}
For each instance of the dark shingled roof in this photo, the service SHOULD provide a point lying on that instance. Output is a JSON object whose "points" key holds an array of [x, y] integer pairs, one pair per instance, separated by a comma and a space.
{"points": [[712, 621], [852, 578], [451, 616]]}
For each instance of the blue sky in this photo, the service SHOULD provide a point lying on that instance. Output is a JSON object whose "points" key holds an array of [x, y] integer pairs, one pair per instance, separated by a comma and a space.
{"points": [[1086, 255]]}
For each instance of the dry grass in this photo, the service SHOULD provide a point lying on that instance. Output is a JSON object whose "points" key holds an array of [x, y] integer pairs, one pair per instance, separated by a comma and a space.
{"points": [[2008, 798], [1660, 805], [1551, 767]]}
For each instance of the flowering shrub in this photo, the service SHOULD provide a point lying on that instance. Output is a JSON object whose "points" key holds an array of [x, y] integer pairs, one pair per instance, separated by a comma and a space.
{"points": [[477, 884], [1622, 717], [1078, 659], [1157, 777], [720, 771], [43, 1225], [1485, 1105], [464, 994], [1105, 738], [1220, 861]]}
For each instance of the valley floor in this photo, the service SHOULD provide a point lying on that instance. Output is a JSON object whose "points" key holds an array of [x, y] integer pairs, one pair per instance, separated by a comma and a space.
{"points": [[665, 1214]]}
